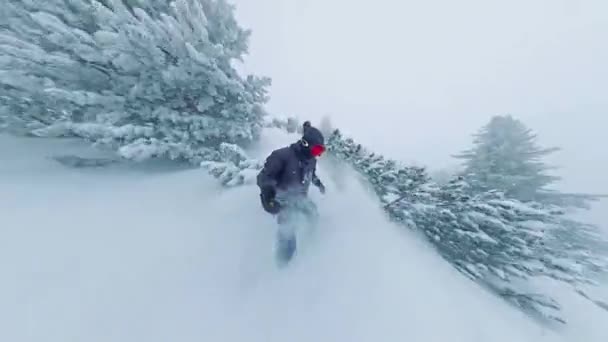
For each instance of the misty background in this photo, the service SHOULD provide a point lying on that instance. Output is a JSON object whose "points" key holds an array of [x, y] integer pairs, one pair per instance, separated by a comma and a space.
{"points": [[133, 253], [415, 80]]}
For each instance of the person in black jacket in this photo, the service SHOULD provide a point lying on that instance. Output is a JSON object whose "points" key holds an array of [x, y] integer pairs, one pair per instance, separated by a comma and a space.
{"points": [[284, 182], [290, 170]]}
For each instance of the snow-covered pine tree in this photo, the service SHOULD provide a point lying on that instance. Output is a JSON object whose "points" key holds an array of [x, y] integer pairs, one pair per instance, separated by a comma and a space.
{"points": [[394, 184], [496, 241], [506, 157], [149, 78], [500, 242], [575, 252]]}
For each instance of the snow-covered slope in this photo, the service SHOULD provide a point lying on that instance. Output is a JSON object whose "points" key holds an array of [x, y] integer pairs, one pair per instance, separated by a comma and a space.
{"points": [[144, 254]]}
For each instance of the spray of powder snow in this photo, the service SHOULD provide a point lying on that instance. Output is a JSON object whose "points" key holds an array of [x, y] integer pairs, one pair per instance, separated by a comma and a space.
{"points": [[126, 254]]}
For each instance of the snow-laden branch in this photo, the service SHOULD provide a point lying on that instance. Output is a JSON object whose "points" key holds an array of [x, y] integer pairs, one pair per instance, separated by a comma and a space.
{"points": [[148, 78], [499, 242]]}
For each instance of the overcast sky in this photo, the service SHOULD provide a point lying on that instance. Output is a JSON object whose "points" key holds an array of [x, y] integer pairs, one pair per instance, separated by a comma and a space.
{"points": [[415, 79]]}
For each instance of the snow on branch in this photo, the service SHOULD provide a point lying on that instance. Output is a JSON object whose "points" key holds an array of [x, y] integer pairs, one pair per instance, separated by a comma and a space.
{"points": [[148, 78], [498, 241]]}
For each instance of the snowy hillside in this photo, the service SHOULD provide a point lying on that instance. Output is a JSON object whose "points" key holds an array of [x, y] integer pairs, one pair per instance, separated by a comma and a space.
{"points": [[95, 248], [150, 254]]}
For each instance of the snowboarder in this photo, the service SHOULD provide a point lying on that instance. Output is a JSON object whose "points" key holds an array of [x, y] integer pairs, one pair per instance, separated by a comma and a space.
{"points": [[284, 182]]}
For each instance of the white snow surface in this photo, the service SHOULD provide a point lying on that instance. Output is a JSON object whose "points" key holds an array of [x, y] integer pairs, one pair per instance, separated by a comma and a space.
{"points": [[156, 254]]}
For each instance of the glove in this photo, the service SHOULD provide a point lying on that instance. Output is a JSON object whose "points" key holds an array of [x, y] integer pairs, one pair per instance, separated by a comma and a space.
{"points": [[317, 182], [321, 187], [268, 201]]}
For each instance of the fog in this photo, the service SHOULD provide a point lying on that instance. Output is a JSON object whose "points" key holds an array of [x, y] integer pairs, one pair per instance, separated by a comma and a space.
{"points": [[148, 254], [415, 79]]}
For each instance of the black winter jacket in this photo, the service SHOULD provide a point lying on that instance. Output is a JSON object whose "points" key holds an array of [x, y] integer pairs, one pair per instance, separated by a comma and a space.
{"points": [[289, 170]]}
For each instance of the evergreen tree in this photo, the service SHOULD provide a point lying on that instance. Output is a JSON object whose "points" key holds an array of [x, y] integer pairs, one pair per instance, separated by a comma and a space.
{"points": [[499, 242], [507, 158], [148, 78]]}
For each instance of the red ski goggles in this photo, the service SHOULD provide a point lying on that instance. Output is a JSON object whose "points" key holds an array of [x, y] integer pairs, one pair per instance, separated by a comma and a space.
{"points": [[317, 150]]}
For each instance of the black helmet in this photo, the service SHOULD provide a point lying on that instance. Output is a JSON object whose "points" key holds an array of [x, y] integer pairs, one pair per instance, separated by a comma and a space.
{"points": [[312, 140]]}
